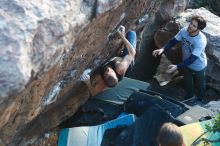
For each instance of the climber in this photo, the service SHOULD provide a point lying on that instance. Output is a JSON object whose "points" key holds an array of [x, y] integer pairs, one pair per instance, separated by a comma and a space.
{"points": [[112, 72]]}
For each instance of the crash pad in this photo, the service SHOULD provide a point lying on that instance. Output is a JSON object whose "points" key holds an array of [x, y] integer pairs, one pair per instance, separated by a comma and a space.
{"points": [[91, 135]]}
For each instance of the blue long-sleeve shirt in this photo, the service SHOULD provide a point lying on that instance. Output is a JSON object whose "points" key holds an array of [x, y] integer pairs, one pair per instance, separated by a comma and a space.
{"points": [[170, 44]]}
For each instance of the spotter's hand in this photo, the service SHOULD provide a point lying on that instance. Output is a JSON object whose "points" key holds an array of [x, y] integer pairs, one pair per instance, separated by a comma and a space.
{"points": [[171, 68], [157, 52]]}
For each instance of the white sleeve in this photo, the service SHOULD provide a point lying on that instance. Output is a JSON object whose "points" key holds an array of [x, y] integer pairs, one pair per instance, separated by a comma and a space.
{"points": [[199, 47], [178, 36]]}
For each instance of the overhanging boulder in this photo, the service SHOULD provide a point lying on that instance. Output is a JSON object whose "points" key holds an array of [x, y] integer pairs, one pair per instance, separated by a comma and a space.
{"points": [[45, 47]]}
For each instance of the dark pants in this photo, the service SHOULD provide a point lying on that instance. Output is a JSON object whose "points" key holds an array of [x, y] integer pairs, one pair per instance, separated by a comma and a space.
{"points": [[199, 76], [132, 38]]}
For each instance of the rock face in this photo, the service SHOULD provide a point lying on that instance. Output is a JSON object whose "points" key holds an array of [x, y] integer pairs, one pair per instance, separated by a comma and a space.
{"points": [[212, 33], [45, 47], [35, 35], [171, 8]]}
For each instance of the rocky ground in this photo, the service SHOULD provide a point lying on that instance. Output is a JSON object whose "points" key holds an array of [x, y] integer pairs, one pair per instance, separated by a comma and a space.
{"points": [[175, 89]]}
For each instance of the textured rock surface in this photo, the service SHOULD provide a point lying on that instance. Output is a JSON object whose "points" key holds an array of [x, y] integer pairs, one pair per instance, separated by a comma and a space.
{"points": [[35, 35], [213, 48], [161, 76], [171, 8], [45, 46]]}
